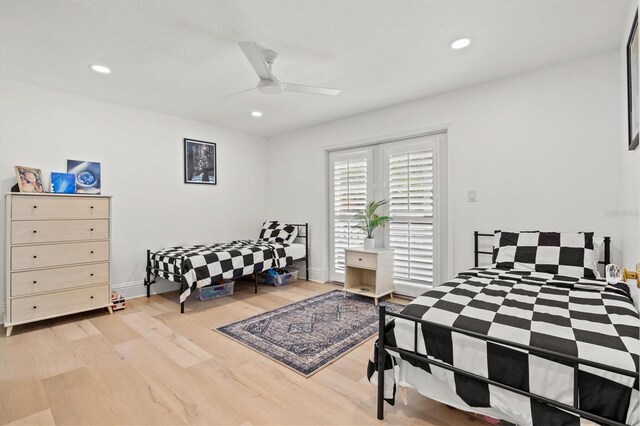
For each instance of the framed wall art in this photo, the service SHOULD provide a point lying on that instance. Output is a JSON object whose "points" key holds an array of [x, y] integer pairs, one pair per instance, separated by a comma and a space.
{"points": [[633, 85], [200, 162]]}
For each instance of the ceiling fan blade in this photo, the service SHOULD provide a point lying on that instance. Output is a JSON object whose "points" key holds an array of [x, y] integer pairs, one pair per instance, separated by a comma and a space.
{"points": [[237, 93], [253, 52], [300, 88]]}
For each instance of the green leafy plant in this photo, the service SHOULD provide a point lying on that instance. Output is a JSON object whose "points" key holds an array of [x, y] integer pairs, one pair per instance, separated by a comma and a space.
{"points": [[369, 220]]}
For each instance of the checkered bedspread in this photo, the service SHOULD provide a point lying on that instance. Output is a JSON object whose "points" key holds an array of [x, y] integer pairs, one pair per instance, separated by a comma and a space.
{"points": [[587, 319], [204, 264]]}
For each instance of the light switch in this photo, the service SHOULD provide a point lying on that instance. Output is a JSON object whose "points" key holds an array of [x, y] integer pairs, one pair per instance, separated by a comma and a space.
{"points": [[472, 196]]}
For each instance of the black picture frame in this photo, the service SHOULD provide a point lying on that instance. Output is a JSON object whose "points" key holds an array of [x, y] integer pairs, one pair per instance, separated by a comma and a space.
{"points": [[200, 162], [633, 85]]}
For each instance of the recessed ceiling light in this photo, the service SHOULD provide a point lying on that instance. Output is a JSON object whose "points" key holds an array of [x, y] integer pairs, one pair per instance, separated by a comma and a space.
{"points": [[461, 43], [256, 113], [101, 69]]}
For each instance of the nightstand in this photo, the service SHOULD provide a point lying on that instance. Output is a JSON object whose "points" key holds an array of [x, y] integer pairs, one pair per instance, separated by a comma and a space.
{"points": [[369, 272]]}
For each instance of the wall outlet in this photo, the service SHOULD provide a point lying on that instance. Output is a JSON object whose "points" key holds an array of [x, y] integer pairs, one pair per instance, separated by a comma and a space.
{"points": [[472, 196]]}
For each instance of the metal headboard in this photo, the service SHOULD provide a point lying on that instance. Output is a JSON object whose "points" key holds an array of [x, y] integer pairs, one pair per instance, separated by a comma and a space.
{"points": [[477, 251]]}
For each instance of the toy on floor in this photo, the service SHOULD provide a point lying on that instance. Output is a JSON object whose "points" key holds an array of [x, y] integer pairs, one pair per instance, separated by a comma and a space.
{"points": [[117, 301]]}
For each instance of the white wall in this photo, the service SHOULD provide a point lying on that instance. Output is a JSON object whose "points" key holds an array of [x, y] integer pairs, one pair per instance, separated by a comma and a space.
{"points": [[142, 167], [542, 149]]}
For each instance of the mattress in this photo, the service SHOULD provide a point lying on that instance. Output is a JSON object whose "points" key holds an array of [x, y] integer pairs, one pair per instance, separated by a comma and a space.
{"points": [[582, 318], [204, 264]]}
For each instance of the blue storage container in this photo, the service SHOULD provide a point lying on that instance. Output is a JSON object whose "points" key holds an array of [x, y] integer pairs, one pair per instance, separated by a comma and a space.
{"points": [[215, 290]]}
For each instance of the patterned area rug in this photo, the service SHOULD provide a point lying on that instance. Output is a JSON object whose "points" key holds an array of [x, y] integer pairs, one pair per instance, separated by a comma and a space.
{"points": [[307, 336]]}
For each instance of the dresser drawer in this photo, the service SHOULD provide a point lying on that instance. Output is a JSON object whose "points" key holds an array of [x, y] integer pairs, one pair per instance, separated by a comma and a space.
{"points": [[43, 280], [48, 231], [36, 207], [362, 260], [59, 303], [29, 257]]}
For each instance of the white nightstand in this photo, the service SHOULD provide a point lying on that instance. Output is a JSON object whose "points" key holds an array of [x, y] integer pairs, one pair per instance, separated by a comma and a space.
{"points": [[369, 272]]}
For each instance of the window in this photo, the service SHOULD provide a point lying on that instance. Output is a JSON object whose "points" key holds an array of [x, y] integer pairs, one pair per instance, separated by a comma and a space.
{"points": [[349, 183], [407, 174]]}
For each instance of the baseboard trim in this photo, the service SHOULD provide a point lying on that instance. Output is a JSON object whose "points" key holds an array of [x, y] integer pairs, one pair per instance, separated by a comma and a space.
{"points": [[135, 289]]}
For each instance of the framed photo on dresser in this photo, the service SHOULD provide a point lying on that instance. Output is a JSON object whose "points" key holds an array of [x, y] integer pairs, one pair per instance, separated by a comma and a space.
{"points": [[633, 85], [29, 179], [200, 162]]}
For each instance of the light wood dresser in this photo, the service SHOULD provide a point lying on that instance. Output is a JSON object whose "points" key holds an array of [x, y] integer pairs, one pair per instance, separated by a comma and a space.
{"points": [[57, 256], [369, 272]]}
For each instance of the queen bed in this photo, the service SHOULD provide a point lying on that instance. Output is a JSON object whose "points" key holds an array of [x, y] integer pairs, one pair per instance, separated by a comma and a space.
{"points": [[195, 266], [535, 338]]}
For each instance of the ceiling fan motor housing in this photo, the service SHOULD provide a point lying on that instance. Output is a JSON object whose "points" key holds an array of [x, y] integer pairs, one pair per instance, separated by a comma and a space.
{"points": [[269, 87]]}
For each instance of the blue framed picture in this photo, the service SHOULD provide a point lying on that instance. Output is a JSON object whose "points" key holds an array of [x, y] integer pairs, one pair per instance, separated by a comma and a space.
{"points": [[87, 176], [63, 183]]}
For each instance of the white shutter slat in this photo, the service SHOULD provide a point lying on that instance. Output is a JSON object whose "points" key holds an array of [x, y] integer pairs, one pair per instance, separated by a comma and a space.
{"points": [[411, 204], [350, 190]]}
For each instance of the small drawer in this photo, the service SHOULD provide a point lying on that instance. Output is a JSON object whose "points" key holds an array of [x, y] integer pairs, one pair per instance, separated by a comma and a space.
{"points": [[50, 231], [44, 280], [63, 302], [36, 207], [362, 260], [30, 257]]}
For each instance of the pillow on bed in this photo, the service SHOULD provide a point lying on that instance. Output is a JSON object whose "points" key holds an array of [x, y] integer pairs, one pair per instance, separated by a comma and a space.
{"points": [[278, 233], [572, 254], [497, 234]]}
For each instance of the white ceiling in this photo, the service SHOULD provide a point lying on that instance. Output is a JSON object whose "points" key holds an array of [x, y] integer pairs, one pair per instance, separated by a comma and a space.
{"points": [[179, 56]]}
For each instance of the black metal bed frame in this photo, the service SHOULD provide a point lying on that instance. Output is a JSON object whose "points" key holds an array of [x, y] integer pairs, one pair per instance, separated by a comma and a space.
{"points": [[183, 285], [575, 361]]}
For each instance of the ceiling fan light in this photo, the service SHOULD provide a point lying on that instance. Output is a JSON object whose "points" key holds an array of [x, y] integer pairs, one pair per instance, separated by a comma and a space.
{"points": [[256, 113]]}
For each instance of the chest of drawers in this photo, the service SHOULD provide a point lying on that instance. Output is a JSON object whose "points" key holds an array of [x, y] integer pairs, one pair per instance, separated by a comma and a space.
{"points": [[57, 256]]}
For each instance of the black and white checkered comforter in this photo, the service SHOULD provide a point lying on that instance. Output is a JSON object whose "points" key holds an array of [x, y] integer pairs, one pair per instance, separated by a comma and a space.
{"points": [[204, 264], [583, 318]]}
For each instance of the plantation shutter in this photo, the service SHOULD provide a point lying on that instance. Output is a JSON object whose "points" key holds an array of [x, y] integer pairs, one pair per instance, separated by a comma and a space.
{"points": [[410, 183], [349, 184]]}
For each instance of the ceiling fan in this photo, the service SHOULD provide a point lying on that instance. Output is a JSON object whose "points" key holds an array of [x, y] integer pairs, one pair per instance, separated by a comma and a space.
{"points": [[262, 62]]}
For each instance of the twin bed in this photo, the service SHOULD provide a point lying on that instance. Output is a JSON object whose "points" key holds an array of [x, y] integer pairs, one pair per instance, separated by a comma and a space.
{"points": [[195, 266], [536, 338]]}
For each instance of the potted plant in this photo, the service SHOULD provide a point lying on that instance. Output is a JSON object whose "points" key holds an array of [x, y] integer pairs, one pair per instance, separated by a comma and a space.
{"points": [[369, 220]]}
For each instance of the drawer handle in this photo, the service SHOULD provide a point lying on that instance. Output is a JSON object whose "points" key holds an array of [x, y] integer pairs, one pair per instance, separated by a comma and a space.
{"points": [[34, 307], [35, 207], [35, 282], [35, 257], [360, 259], [91, 229], [91, 251], [92, 297], [35, 232], [91, 274], [91, 206]]}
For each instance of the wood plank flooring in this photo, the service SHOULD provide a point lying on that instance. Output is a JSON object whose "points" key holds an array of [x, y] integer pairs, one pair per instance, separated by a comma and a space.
{"points": [[148, 364]]}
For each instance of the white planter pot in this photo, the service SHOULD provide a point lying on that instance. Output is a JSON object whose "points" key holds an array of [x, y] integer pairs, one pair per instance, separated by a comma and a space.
{"points": [[369, 243]]}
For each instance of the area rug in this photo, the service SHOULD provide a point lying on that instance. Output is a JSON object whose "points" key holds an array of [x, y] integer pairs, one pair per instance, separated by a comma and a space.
{"points": [[307, 336]]}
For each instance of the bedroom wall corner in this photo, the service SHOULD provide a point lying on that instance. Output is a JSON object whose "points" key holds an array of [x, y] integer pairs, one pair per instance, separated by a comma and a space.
{"points": [[142, 168]]}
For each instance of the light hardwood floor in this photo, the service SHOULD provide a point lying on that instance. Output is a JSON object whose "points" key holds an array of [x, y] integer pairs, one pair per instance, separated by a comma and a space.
{"points": [[148, 364]]}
